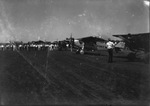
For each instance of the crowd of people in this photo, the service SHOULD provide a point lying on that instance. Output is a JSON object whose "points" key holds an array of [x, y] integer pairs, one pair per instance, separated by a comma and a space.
{"points": [[28, 47], [57, 46]]}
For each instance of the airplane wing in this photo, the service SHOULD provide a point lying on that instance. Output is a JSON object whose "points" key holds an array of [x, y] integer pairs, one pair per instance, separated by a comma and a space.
{"points": [[136, 41], [92, 39]]}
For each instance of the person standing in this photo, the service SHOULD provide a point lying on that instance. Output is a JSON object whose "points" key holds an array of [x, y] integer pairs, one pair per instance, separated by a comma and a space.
{"points": [[82, 48], [71, 43], [110, 45]]}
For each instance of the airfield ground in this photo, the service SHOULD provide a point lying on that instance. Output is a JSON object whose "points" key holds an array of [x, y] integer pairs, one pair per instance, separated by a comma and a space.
{"points": [[63, 77]]}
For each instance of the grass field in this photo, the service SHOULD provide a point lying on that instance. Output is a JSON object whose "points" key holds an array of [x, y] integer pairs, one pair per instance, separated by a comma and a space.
{"points": [[63, 77]]}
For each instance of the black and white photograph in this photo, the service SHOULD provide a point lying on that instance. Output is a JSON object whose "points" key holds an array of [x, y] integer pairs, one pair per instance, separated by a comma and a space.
{"points": [[75, 52]]}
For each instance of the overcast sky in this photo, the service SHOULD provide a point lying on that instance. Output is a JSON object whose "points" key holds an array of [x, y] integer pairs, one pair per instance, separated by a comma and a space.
{"points": [[50, 20]]}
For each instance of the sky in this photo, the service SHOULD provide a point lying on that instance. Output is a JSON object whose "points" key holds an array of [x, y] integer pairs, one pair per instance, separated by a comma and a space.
{"points": [[50, 20]]}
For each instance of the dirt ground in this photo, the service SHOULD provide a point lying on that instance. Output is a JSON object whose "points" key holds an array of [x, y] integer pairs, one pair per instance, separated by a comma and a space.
{"points": [[63, 77]]}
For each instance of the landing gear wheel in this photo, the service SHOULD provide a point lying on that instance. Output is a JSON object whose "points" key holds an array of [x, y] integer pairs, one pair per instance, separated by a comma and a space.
{"points": [[81, 51]]}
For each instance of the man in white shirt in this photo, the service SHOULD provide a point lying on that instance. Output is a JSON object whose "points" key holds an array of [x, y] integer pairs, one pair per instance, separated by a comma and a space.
{"points": [[110, 45]]}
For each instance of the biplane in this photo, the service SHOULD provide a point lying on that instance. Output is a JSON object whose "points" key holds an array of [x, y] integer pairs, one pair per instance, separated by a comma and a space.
{"points": [[137, 43]]}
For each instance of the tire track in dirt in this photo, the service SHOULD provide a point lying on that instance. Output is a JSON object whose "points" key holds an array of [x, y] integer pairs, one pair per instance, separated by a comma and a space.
{"points": [[75, 58], [117, 74], [68, 57], [88, 83], [46, 66], [54, 80], [69, 86], [21, 82], [55, 75], [34, 67], [76, 65], [40, 73]]}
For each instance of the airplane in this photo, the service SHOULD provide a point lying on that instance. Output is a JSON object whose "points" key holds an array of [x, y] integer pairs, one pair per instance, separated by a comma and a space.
{"points": [[137, 43], [80, 45], [90, 43]]}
